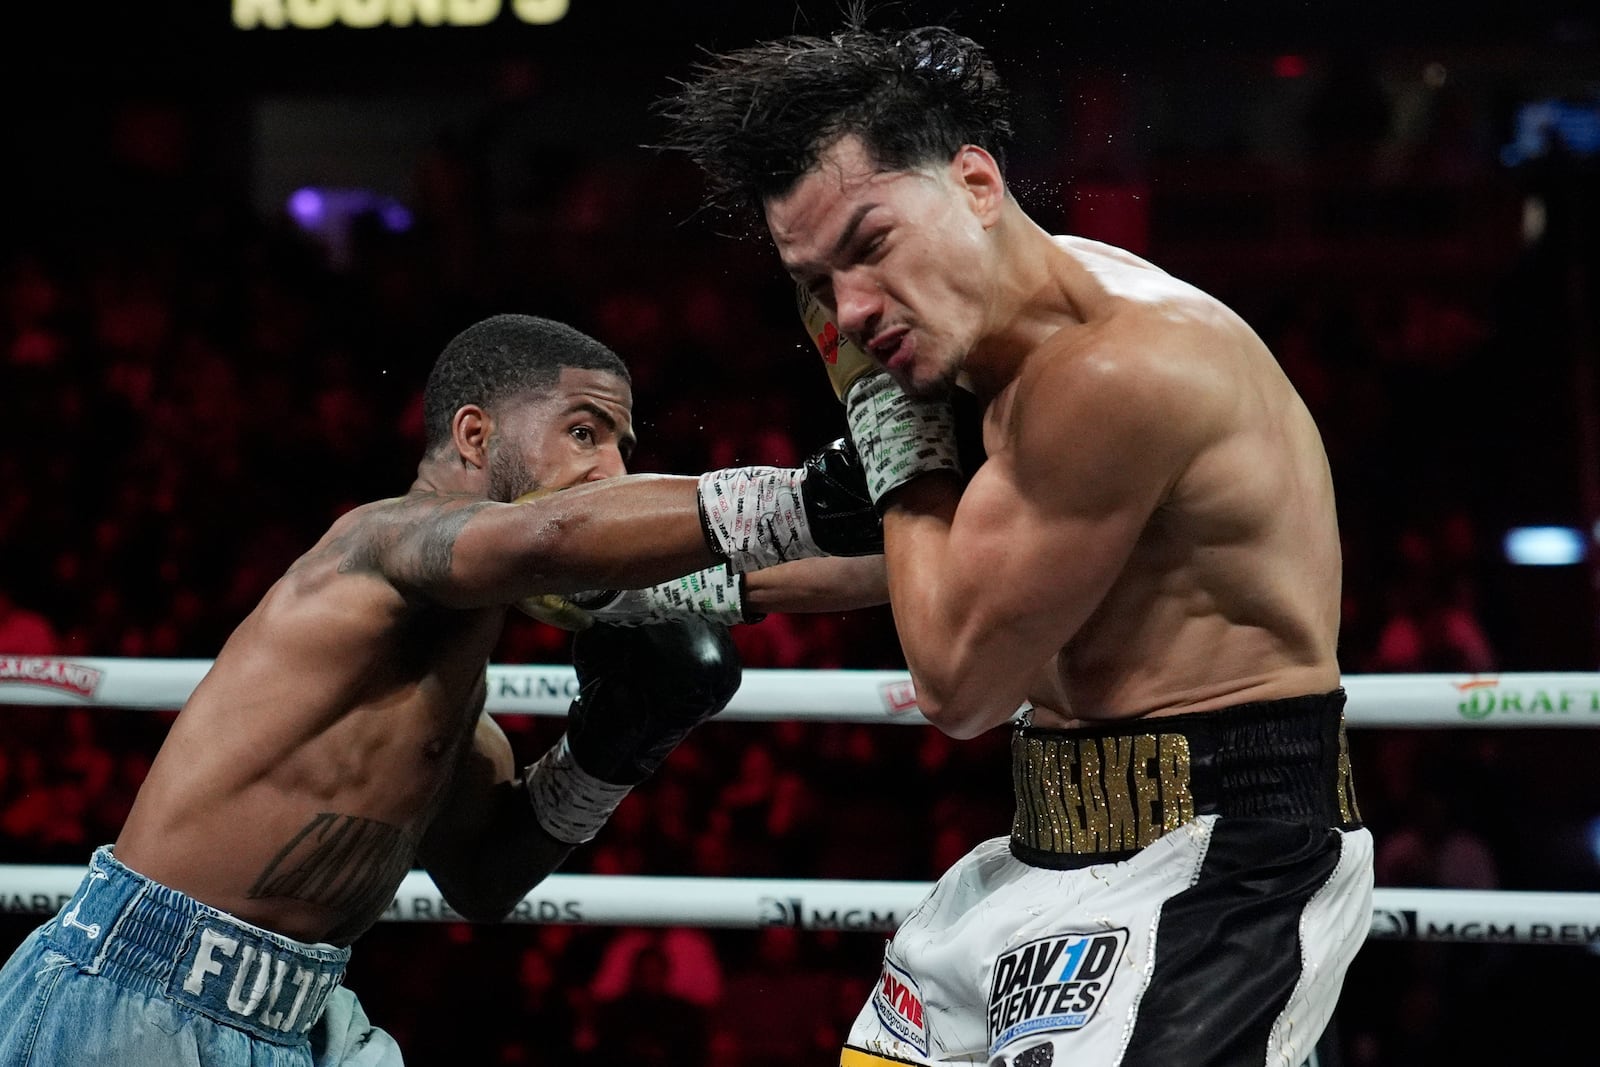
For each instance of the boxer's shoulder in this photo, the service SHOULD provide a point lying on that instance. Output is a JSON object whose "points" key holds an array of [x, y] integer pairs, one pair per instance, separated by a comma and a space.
{"points": [[1125, 370], [404, 539]]}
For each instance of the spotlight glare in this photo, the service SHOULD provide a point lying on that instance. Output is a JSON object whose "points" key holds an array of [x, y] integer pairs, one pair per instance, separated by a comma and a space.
{"points": [[1544, 546]]}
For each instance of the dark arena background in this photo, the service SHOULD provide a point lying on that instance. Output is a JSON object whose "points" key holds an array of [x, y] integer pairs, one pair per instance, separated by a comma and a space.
{"points": [[233, 239]]}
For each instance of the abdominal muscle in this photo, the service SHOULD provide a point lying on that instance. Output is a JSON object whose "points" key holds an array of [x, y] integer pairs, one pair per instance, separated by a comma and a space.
{"points": [[309, 843], [314, 876], [1167, 642]]}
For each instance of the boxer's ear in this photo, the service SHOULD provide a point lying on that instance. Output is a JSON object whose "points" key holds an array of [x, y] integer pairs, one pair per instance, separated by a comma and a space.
{"points": [[470, 431], [976, 171]]}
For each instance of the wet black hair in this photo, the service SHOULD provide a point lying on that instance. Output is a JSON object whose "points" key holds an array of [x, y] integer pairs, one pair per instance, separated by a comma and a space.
{"points": [[757, 119]]}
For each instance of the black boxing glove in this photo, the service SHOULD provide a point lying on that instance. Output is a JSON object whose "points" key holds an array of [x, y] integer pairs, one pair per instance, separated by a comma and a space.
{"points": [[641, 689], [839, 510], [761, 516]]}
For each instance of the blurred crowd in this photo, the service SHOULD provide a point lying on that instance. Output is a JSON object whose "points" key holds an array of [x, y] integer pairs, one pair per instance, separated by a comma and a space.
{"points": [[196, 388]]}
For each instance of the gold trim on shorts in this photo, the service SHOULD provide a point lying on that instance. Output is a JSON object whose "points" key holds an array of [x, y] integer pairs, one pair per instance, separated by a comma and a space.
{"points": [[1105, 791], [1091, 795]]}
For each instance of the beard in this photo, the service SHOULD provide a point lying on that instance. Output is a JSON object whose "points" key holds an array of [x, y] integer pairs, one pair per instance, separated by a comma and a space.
{"points": [[939, 384], [940, 388], [509, 476]]}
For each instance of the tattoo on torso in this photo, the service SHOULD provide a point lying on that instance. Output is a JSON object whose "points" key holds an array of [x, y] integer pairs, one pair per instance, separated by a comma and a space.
{"points": [[342, 862]]}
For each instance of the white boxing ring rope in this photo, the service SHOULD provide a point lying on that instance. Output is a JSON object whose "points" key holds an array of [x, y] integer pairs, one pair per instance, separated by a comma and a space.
{"points": [[1570, 699], [1479, 917], [1394, 700]]}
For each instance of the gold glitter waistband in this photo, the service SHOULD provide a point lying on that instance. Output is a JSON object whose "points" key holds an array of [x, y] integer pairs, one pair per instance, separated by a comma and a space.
{"points": [[1077, 796], [1111, 790]]}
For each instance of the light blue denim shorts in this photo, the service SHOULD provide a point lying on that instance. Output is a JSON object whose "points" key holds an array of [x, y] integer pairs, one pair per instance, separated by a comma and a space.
{"points": [[131, 972]]}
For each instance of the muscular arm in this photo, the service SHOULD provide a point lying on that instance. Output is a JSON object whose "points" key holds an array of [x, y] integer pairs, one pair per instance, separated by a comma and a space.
{"points": [[484, 848], [833, 583], [623, 533], [988, 585]]}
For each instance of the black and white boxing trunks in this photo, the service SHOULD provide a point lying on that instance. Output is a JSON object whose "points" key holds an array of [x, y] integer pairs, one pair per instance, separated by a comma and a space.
{"points": [[1185, 889]]}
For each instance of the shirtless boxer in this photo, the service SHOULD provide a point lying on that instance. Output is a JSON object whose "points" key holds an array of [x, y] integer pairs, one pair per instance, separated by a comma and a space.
{"points": [[1147, 559], [340, 737]]}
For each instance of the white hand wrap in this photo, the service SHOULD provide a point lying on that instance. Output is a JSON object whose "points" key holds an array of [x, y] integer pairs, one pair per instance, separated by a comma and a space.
{"points": [[755, 518], [898, 436], [714, 593], [569, 802]]}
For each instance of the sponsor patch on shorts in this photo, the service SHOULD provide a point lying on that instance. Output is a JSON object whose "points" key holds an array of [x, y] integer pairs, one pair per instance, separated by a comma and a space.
{"points": [[1054, 983], [898, 1001]]}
